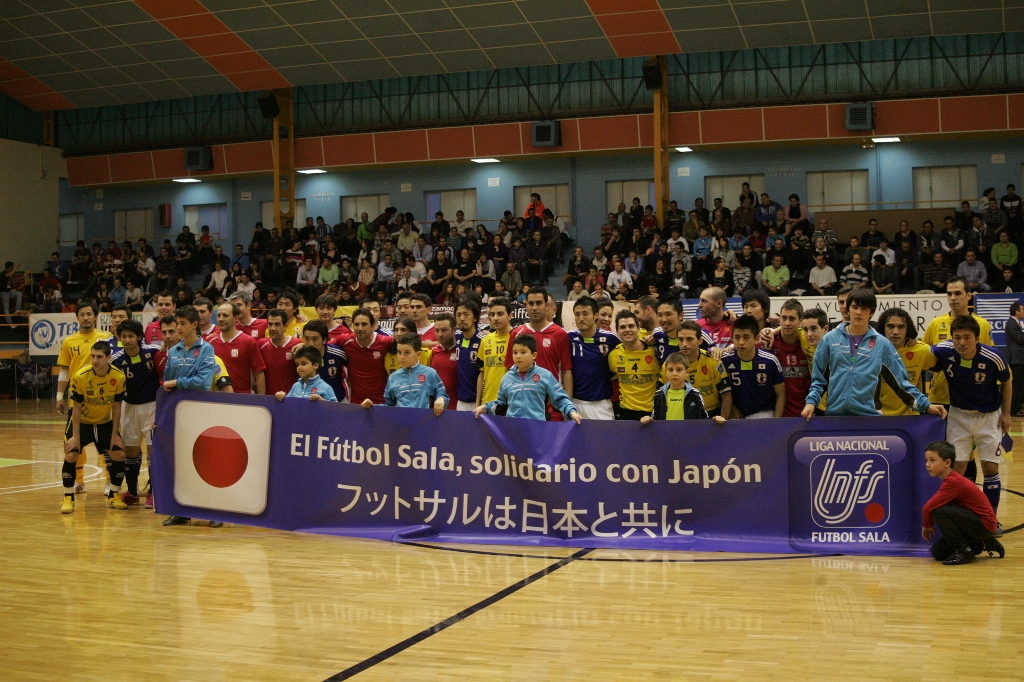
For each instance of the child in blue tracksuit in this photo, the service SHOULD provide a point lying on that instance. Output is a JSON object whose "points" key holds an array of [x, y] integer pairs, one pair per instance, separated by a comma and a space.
{"points": [[414, 384], [525, 387], [309, 386]]}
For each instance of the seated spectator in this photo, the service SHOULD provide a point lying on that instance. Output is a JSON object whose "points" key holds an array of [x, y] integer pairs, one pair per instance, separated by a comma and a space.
{"points": [[826, 233], [936, 275], [973, 270], [855, 274], [907, 262], [775, 278], [1009, 282], [1004, 252], [796, 213], [511, 280], [620, 282], [822, 277], [883, 276], [872, 238]]}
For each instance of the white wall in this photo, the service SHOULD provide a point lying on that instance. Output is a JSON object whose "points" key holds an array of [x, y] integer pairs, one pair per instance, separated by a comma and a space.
{"points": [[29, 203]]}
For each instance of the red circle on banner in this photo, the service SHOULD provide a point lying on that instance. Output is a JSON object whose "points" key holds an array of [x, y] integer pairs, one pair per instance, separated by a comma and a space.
{"points": [[220, 456], [874, 512]]}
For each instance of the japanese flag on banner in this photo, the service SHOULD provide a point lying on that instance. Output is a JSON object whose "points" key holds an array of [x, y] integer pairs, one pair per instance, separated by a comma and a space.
{"points": [[222, 456]]}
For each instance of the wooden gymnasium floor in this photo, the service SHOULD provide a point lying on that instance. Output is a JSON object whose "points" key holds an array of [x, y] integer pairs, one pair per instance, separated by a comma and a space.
{"points": [[103, 593]]}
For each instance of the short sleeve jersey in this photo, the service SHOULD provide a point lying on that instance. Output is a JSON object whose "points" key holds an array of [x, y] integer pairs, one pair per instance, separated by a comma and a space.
{"points": [[257, 328], [366, 374], [638, 373], [709, 377], [754, 382], [446, 364], [591, 378], [917, 357], [97, 394], [141, 380], [391, 361], [242, 357], [721, 333], [938, 331], [795, 371], [468, 349], [75, 349], [332, 370], [974, 383], [280, 374], [552, 348], [490, 359]]}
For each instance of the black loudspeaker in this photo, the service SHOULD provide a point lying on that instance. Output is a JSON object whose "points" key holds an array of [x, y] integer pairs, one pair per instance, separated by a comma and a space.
{"points": [[652, 74], [268, 105]]}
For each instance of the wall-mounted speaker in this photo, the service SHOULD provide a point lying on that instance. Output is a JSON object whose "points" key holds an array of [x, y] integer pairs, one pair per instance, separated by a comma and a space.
{"points": [[547, 134], [268, 105], [198, 158]]}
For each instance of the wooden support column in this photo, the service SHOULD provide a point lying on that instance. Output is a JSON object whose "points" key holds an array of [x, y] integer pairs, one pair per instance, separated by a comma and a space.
{"points": [[284, 160], [661, 175]]}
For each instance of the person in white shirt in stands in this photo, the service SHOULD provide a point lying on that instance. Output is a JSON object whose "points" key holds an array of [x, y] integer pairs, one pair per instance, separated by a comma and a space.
{"points": [[243, 284], [619, 282], [884, 250], [822, 277], [305, 280]]}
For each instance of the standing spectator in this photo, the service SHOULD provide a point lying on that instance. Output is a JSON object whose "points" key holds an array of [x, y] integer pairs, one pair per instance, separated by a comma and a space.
{"points": [[9, 295], [973, 270]]}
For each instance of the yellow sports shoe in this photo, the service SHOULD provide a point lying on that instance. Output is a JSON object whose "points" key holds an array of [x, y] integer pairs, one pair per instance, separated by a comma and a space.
{"points": [[115, 502], [68, 505]]}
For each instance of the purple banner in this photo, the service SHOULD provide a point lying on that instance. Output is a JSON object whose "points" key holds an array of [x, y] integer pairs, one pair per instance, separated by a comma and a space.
{"points": [[849, 485]]}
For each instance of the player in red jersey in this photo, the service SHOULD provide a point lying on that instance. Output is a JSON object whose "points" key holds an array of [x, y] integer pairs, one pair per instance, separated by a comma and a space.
{"points": [[246, 323], [366, 373], [787, 348], [419, 311], [326, 309], [276, 351], [553, 353], [445, 355], [207, 329], [239, 352], [712, 316], [164, 307]]}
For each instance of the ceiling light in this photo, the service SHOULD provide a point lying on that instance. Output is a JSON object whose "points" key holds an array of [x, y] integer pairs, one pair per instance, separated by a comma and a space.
{"points": [[683, 149], [879, 140], [187, 180], [311, 171], [485, 160]]}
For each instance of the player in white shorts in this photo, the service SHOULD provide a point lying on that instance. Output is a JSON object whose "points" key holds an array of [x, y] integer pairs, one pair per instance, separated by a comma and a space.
{"points": [[138, 412], [980, 394]]}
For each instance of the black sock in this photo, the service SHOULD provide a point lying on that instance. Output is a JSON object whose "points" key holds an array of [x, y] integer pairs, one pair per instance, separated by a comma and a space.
{"points": [[971, 472], [132, 467], [67, 477], [116, 470]]}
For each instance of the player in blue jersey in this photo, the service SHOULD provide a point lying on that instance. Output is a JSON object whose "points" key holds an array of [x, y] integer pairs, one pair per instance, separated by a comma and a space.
{"points": [[589, 347], [310, 385], [665, 338], [758, 387], [137, 361], [118, 314], [980, 394], [467, 344], [333, 361]]}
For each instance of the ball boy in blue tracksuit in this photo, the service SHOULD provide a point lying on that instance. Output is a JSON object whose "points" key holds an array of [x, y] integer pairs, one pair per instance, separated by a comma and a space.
{"points": [[526, 386], [414, 384]]}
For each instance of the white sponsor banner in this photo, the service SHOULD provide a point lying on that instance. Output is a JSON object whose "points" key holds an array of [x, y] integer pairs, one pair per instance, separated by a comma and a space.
{"points": [[48, 330]]}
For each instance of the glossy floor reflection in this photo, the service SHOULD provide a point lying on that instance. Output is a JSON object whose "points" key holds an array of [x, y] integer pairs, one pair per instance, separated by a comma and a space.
{"points": [[102, 591]]}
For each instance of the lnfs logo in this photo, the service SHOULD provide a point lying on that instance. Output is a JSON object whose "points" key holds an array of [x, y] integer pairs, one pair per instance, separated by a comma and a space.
{"points": [[849, 491]]}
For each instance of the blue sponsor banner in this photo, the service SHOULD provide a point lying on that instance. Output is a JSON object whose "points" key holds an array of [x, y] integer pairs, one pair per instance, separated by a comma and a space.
{"points": [[995, 308], [851, 485]]}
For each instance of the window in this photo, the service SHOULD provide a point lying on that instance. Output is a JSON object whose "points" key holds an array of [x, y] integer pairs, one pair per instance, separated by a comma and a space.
{"points": [[945, 186], [133, 223], [268, 213], [837, 191], [214, 216], [623, 192], [554, 197], [72, 228], [449, 202], [370, 204], [728, 188]]}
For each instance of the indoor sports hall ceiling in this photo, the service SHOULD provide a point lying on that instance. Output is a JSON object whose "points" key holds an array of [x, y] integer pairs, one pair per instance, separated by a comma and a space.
{"points": [[58, 54]]}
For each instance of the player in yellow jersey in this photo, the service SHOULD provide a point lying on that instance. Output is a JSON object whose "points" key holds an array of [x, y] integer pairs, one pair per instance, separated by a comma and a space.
{"points": [[74, 355], [490, 357], [97, 391], [958, 295], [917, 357], [636, 368], [707, 375], [404, 326]]}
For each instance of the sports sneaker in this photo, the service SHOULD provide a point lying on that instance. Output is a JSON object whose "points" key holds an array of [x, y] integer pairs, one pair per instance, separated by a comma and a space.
{"points": [[177, 521], [79, 488], [115, 502], [993, 546], [963, 555], [149, 501], [68, 505], [129, 499]]}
